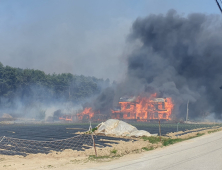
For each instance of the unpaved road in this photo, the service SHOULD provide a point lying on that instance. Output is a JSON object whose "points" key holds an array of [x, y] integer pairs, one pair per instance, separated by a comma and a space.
{"points": [[202, 153]]}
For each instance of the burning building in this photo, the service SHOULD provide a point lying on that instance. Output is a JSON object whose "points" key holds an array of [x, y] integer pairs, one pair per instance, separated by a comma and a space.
{"points": [[143, 109]]}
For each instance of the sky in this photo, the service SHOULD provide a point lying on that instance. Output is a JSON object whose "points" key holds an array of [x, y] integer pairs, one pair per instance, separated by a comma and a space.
{"points": [[82, 37]]}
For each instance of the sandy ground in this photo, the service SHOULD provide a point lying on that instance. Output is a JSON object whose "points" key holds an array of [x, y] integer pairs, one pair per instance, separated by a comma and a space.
{"points": [[70, 159]]}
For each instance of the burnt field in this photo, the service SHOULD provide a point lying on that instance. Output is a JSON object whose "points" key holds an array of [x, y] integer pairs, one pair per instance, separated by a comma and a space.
{"points": [[47, 132]]}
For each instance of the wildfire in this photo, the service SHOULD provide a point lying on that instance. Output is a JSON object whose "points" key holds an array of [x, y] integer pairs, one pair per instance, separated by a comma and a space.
{"points": [[143, 108], [87, 113], [66, 118]]}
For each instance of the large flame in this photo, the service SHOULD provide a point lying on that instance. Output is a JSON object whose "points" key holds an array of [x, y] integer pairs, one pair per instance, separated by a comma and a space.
{"points": [[87, 113], [143, 109]]}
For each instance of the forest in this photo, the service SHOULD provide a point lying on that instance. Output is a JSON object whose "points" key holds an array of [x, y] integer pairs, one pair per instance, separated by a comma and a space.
{"points": [[29, 85]]}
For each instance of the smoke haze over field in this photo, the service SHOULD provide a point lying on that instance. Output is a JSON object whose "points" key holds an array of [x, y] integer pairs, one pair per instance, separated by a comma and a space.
{"points": [[180, 57], [173, 54]]}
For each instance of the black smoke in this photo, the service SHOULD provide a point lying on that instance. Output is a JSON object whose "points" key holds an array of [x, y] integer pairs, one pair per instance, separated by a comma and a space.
{"points": [[178, 56], [174, 56], [104, 102]]}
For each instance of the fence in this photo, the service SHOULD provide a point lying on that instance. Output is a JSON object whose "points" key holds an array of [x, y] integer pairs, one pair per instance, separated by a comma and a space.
{"points": [[15, 146]]}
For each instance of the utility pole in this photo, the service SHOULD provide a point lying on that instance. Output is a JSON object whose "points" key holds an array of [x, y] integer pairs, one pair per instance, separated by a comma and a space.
{"points": [[178, 125], [187, 110], [159, 130]]}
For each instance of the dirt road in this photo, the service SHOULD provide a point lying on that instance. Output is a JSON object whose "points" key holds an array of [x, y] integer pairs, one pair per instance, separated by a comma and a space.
{"points": [[202, 153]]}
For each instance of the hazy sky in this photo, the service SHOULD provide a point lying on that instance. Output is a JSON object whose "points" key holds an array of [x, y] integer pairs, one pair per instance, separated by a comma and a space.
{"points": [[85, 37]]}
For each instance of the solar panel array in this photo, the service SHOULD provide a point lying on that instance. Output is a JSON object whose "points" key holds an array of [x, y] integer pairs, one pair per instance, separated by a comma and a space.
{"points": [[15, 146]]}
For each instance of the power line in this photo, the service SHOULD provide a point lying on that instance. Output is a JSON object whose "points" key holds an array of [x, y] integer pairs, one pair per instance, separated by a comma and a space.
{"points": [[219, 5]]}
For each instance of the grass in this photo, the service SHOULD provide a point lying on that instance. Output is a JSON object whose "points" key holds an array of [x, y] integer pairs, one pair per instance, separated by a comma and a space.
{"points": [[94, 129], [148, 149], [93, 157], [114, 151], [212, 131], [199, 134], [89, 132], [169, 141], [166, 141], [151, 139]]}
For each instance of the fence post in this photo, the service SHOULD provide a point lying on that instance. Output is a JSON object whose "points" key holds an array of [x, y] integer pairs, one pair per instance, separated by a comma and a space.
{"points": [[94, 144], [178, 125], [90, 130], [159, 130]]}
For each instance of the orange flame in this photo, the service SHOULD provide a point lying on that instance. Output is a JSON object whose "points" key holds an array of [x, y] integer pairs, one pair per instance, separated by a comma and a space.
{"points": [[143, 109], [87, 113], [66, 118]]}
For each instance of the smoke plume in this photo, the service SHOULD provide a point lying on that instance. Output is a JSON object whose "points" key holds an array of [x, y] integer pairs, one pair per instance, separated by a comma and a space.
{"points": [[179, 57]]}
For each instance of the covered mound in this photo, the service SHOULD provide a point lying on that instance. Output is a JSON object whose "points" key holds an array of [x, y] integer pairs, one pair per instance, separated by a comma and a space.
{"points": [[119, 128]]}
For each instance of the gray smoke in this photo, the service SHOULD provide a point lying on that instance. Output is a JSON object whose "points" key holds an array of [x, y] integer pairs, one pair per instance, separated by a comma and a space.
{"points": [[178, 56], [104, 101]]}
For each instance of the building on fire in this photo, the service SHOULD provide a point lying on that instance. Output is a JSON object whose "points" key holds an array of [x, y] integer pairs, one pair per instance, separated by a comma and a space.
{"points": [[140, 109], [143, 109]]}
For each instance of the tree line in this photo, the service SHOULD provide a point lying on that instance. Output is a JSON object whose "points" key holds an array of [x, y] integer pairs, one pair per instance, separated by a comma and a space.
{"points": [[29, 85]]}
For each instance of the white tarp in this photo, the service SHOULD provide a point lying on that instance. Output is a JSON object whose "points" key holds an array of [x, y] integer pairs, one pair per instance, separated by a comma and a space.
{"points": [[119, 128], [139, 133]]}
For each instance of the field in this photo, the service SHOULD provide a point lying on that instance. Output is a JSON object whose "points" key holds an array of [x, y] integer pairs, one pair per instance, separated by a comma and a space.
{"points": [[44, 144], [47, 132], [22, 139]]}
